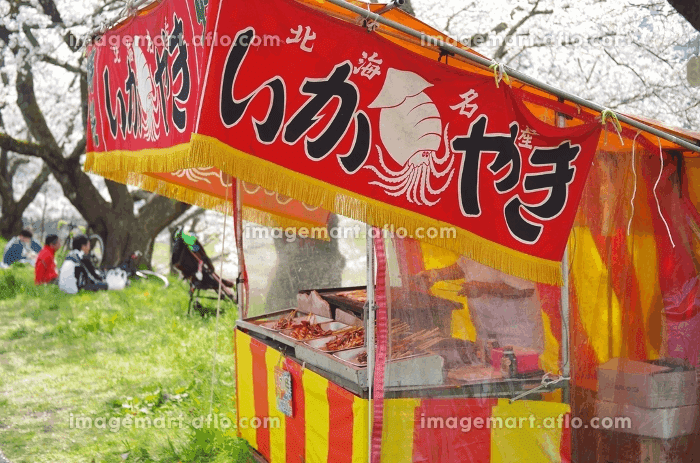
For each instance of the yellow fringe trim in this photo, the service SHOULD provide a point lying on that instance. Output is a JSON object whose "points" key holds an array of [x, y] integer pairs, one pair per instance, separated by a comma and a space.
{"points": [[208, 151], [148, 160], [208, 201], [204, 151]]}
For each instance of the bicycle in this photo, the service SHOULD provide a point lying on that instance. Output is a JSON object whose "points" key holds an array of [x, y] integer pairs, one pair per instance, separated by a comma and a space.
{"points": [[97, 245]]}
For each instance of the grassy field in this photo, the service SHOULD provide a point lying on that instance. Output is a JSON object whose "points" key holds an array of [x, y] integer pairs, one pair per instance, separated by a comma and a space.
{"points": [[118, 359]]}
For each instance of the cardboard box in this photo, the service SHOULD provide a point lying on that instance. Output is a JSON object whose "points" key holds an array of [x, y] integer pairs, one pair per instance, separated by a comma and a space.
{"points": [[661, 423], [618, 447], [647, 385]]}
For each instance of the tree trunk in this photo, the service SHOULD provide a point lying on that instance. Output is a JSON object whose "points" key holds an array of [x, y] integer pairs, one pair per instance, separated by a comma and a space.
{"points": [[689, 9], [304, 264], [11, 223]]}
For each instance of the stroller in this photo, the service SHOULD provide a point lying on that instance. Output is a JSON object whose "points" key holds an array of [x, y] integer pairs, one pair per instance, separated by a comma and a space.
{"points": [[194, 265]]}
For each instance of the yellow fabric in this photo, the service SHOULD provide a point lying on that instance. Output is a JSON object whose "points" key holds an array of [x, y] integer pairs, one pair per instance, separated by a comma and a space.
{"points": [[278, 439], [207, 151], [643, 252], [397, 433], [246, 400], [147, 160], [360, 435], [599, 307], [549, 360], [523, 440], [435, 257], [207, 201], [316, 417], [692, 172]]}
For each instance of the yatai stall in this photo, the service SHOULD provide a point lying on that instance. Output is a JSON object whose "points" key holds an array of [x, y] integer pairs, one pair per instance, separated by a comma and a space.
{"points": [[291, 114]]}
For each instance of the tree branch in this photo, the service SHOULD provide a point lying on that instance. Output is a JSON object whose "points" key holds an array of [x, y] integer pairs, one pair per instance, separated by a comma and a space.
{"points": [[79, 149], [626, 66], [14, 166], [34, 188], [689, 10], [141, 195], [66, 66], [31, 112], [24, 147], [501, 52]]}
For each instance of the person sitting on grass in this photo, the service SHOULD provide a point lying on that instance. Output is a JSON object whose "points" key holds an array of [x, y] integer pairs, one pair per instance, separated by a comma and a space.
{"points": [[77, 272], [45, 268], [21, 248]]}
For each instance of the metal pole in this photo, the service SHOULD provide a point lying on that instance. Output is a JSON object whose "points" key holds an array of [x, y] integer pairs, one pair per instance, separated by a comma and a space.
{"points": [[565, 339], [119, 18], [513, 73], [369, 335], [240, 288]]}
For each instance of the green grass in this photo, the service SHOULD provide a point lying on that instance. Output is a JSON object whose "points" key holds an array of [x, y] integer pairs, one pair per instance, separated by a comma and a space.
{"points": [[111, 356]]}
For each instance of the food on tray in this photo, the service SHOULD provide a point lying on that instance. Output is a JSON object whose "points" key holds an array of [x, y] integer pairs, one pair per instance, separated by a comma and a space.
{"points": [[347, 339], [286, 322], [307, 330], [362, 358], [359, 295], [404, 343]]}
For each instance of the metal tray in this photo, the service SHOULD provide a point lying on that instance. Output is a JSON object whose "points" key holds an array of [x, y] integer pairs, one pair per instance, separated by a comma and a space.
{"points": [[330, 295], [320, 343], [270, 325], [350, 356], [327, 326], [268, 321]]}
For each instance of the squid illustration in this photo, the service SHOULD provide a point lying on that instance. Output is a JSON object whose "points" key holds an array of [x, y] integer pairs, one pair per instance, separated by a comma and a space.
{"points": [[147, 94], [411, 130]]}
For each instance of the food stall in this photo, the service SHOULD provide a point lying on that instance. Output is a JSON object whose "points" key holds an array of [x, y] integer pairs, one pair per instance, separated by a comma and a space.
{"points": [[484, 195]]}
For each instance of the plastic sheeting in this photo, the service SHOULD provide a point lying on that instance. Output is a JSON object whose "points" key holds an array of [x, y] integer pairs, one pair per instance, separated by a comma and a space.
{"points": [[634, 286]]}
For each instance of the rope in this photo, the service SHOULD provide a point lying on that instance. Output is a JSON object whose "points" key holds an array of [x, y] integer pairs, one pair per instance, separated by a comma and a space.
{"points": [[548, 380], [658, 205], [218, 312], [634, 172], [499, 73], [609, 114]]}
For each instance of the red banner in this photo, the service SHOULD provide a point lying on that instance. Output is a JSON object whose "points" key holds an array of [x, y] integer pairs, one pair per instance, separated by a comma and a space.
{"points": [[143, 79], [325, 99], [212, 182]]}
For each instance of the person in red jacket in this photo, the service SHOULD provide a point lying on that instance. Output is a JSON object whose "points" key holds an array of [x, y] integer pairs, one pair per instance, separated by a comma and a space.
{"points": [[45, 268]]}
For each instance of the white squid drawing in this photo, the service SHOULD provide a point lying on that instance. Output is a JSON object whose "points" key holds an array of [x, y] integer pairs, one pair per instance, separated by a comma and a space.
{"points": [[411, 130], [147, 94], [200, 175]]}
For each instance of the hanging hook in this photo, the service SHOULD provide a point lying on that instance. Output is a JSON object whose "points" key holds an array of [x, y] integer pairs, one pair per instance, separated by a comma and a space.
{"points": [[609, 114], [499, 73]]}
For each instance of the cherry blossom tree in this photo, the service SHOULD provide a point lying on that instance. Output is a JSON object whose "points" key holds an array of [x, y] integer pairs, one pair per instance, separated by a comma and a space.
{"points": [[627, 55], [44, 93]]}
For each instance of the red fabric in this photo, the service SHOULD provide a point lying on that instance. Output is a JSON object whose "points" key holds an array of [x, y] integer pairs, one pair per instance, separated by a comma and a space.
{"points": [[550, 300], [45, 269], [380, 356], [309, 104], [295, 425], [262, 409], [565, 447], [341, 424], [163, 111], [679, 279], [449, 443]]}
